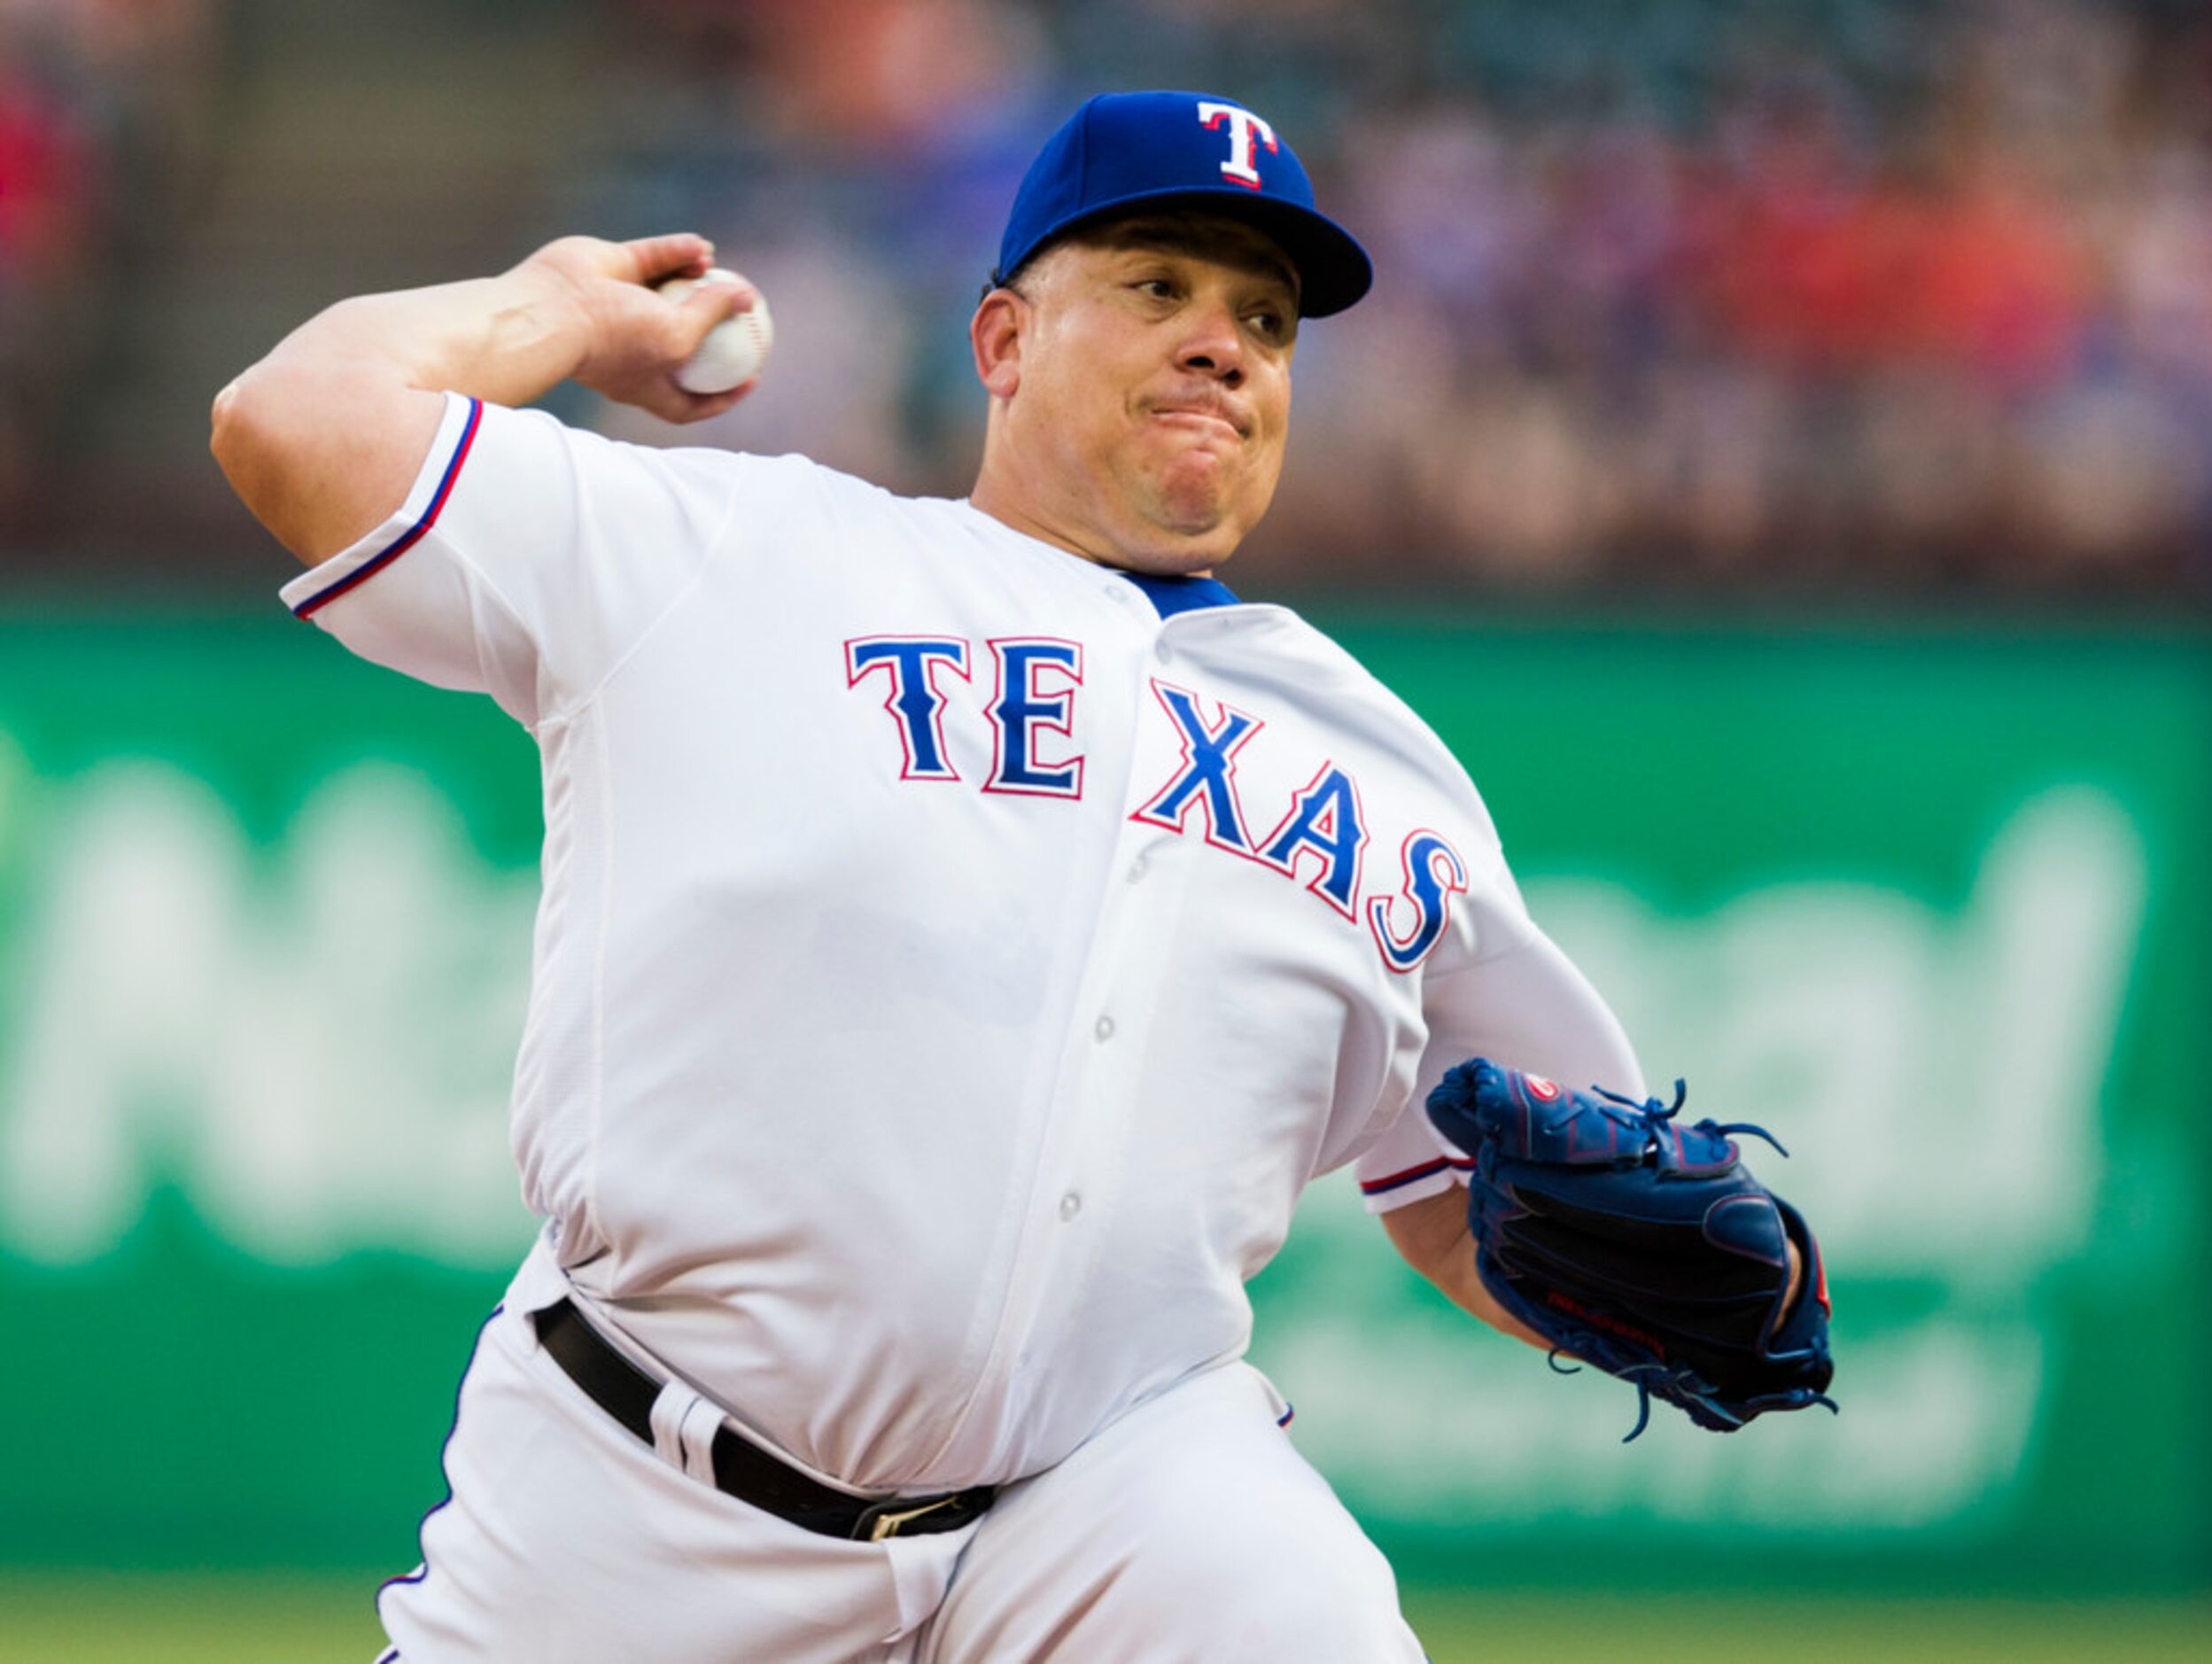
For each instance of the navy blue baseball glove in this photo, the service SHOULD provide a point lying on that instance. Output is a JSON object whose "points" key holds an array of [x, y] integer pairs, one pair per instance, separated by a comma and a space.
{"points": [[1639, 1245]]}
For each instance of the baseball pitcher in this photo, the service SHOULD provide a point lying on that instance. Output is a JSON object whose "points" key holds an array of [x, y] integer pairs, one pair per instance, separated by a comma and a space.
{"points": [[966, 927]]}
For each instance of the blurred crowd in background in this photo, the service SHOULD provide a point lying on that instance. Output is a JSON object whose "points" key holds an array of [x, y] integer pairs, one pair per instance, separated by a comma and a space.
{"points": [[104, 121], [1885, 297]]}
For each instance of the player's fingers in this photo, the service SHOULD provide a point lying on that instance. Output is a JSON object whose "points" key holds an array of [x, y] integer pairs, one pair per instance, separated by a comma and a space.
{"points": [[723, 294], [716, 299], [699, 407], [674, 255], [670, 402]]}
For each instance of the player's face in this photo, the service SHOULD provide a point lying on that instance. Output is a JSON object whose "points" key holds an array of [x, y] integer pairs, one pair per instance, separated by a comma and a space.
{"points": [[1153, 393]]}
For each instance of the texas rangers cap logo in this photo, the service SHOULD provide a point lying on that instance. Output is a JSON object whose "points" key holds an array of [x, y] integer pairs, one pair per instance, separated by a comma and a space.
{"points": [[1243, 127]]}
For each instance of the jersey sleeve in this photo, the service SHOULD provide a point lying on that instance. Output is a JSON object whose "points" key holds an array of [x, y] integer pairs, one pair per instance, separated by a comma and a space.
{"points": [[529, 559], [1528, 1006]]}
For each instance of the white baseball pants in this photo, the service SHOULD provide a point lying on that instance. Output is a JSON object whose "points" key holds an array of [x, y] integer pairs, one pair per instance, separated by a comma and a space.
{"points": [[1190, 1530]]}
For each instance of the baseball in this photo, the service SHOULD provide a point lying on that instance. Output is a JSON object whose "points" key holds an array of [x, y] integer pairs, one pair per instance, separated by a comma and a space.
{"points": [[735, 349]]}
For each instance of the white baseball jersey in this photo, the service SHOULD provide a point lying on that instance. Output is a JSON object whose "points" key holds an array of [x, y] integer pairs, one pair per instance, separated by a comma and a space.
{"points": [[955, 956]]}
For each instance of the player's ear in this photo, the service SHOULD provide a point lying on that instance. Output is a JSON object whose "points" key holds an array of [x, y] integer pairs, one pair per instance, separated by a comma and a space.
{"points": [[995, 333]]}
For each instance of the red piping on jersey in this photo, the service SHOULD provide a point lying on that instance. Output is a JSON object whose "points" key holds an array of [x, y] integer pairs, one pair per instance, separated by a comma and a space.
{"points": [[412, 535], [1406, 1175]]}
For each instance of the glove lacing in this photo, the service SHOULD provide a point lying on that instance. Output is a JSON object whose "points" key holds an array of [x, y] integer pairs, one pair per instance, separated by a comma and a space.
{"points": [[1687, 1385], [1646, 1111]]}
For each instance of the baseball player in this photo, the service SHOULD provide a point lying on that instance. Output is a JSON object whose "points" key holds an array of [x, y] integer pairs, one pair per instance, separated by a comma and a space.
{"points": [[966, 927]]}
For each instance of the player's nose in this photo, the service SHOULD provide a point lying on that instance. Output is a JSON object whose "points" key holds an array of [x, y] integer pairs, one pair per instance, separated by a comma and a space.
{"points": [[1211, 343]]}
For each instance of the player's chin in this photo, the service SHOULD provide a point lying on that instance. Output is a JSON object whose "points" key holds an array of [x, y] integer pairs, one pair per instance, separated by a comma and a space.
{"points": [[1198, 490], [1173, 545], [1209, 515]]}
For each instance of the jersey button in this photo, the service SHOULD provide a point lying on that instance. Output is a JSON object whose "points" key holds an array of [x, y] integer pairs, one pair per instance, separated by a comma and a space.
{"points": [[1070, 1205], [1104, 1028], [1136, 869]]}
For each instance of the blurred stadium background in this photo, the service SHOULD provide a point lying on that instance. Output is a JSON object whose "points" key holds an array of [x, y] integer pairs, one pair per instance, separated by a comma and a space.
{"points": [[1777, 456]]}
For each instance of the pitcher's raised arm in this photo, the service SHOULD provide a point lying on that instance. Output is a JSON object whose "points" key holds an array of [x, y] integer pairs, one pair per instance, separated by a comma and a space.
{"points": [[322, 438]]}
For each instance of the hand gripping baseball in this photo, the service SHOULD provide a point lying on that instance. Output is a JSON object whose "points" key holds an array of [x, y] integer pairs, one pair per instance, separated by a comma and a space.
{"points": [[631, 341], [1639, 1244]]}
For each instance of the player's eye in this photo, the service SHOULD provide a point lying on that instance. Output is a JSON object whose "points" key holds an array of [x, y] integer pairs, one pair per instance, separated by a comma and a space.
{"points": [[1158, 288]]}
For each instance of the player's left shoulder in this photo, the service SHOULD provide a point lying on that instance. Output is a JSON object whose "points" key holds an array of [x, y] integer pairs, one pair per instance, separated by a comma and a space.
{"points": [[1333, 682]]}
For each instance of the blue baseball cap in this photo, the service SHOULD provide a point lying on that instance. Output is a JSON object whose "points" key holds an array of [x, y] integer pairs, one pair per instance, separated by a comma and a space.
{"points": [[1125, 152]]}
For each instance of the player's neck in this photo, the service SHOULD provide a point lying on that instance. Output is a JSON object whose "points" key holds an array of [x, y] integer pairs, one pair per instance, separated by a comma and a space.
{"points": [[1011, 509]]}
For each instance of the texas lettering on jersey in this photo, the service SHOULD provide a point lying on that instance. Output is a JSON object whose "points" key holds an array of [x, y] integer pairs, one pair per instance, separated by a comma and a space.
{"points": [[1322, 831]]}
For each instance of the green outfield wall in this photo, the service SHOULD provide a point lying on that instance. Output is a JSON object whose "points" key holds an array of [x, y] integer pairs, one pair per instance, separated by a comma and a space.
{"points": [[1934, 903]]}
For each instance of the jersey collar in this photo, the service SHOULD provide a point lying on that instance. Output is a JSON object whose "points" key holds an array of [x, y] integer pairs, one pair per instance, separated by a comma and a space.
{"points": [[1171, 596]]}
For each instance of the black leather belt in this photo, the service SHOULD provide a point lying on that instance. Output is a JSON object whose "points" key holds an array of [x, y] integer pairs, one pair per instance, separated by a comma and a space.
{"points": [[741, 1467]]}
